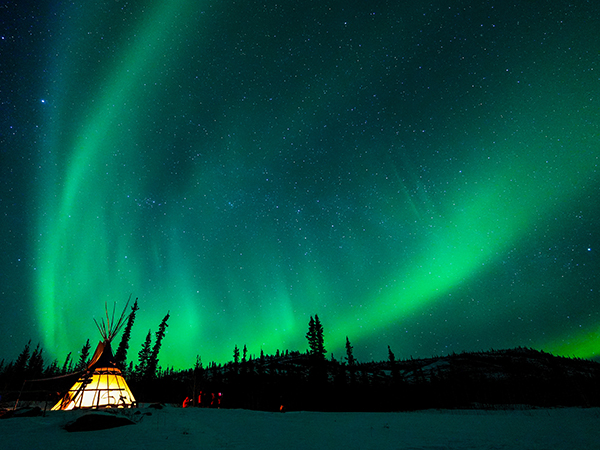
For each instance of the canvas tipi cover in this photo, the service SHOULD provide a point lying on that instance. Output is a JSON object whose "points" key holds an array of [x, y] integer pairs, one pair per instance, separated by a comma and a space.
{"points": [[102, 384]]}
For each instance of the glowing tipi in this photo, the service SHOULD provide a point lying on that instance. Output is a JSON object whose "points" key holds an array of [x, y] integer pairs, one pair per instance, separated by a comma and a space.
{"points": [[102, 384]]}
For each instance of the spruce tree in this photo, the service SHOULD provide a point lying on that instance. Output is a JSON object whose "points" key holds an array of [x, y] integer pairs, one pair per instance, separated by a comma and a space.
{"points": [[52, 370], [394, 366], [236, 355], [35, 366], [261, 363], [121, 355], [320, 338], [153, 360], [144, 356], [316, 341], [67, 365], [351, 361], [83, 356], [22, 361], [311, 336], [349, 355], [391, 356], [317, 374], [198, 365]]}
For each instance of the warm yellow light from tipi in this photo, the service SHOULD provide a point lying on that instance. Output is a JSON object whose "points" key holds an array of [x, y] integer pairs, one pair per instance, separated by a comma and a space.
{"points": [[105, 389]]}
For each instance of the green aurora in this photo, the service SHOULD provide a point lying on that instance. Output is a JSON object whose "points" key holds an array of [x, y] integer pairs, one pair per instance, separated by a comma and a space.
{"points": [[419, 177]]}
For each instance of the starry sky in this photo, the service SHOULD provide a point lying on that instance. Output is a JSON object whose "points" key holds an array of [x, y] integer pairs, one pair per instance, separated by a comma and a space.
{"points": [[423, 175]]}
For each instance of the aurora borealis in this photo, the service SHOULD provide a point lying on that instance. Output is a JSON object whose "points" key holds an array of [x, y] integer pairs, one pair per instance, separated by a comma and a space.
{"points": [[424, 176]]}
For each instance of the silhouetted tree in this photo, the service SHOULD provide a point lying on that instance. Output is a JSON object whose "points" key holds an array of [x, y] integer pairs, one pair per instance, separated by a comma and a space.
{"points": [[349, 356], [121, 355], [52, 370], [153, 360], [318, 375], [35, 366], [351, 361], [84, 356], [393, 365], [21, 363], [391, 356], [311, 336], [316, 341], [68, 365], [144, 356], [236, 355]]}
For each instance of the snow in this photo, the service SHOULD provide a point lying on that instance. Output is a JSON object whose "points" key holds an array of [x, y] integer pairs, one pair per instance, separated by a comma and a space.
{"points": [[173, 427]]}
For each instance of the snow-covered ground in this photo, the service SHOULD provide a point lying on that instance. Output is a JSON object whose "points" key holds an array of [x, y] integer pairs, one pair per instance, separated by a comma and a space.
{"points": [[171, 427]]}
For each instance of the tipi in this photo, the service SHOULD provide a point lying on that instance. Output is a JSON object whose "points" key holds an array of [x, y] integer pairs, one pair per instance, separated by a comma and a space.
{"points": [[102, 384]]}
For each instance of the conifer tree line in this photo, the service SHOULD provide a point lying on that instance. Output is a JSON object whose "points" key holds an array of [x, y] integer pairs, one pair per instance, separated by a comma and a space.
{"points": [[309, 380], [30, 365]]}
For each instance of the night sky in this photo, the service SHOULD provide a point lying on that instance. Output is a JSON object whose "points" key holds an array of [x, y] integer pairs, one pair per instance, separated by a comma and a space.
{"points": [[423, 175]]}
